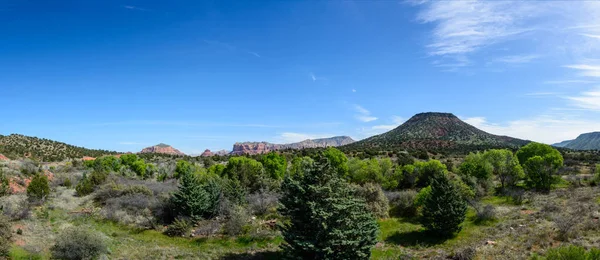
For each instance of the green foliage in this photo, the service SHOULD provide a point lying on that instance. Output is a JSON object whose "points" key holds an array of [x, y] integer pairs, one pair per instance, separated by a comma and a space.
{"points": [[216, 169], [183, 168], [410, 176], [403, 204], [128, 159], [196, 198], [85, 186], [299, 165], [15, 146], [325, 219], [179, 228], [275, 165], [139, 167], [374, 198], [107, 164], [444, 208], [363, 171], [477, 166], [505, 165], [4, 184], [571, 252], [78, 243], [540, 162], [5, 235], [422, 196], [338, 161], [38, 188], [426, 171], [67, 183], [247, 171]]}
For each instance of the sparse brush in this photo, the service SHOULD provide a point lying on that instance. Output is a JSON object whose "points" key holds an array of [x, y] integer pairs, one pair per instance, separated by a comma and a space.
{"points": [[180, 227]]}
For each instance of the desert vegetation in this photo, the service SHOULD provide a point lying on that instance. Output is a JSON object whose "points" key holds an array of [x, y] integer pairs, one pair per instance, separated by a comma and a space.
{"points": [[535, 202]]}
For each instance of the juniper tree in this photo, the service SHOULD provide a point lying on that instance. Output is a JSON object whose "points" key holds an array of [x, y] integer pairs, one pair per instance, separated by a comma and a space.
{"points": [[326, 219], [444, 208], [196, 198]]}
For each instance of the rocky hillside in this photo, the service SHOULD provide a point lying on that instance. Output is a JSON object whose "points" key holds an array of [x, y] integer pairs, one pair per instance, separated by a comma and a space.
{"points": [[435, 131], [264, 147], [588, 141], [19, 146], [163, 149]]}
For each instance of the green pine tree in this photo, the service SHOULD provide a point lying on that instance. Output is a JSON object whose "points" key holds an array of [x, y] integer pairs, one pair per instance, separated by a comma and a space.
{"points": [[326, 220], [196, 198], [444, 208], [38, 188]]}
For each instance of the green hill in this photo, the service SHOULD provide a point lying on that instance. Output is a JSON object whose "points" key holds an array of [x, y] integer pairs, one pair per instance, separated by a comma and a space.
{"points": [[435, 131], [19, 146], [588, 141]]}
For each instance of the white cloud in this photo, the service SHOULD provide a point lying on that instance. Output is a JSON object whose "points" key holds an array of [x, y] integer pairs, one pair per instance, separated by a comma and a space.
{"points": [[290, 137], [586, 70], [517, 59], [353, 90], [254, 53], [544, 128], [567, 82], [363, 115], [589, 100], [591, 35], [379, 129]]}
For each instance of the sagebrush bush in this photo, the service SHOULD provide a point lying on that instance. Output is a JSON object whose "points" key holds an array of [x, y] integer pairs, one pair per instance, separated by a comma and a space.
{"points": [[485, 213], [238, 218], [262, 201], [375, 199], [402, 203], [566, 226], [78, 243], [15, 207]]}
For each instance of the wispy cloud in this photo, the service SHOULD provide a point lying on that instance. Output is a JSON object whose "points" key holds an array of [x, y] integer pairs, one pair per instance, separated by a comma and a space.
{"points": [[567, 82], [131, 7], [542, 94], [230, 47], [314, 78], [363, 115], [353, 90], [591, 35], [589, 100], [517, 59], [586, 70], [379, 129], [549, 129]]}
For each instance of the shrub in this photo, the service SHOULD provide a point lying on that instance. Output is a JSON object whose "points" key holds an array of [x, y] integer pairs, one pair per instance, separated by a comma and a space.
{"points": [[566, 226], [15, 207], [402, 203], [38, 188], [444, 209], [67, 183], [485, 213], [179, 228], [325, 219], [238, 218], [572, 253], [78, 243], [84, 187], [540, 162], [376, 201], [5, 235], [4, 184], [263, 201]]}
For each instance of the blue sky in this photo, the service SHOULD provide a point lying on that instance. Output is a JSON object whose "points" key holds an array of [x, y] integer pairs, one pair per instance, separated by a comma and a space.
{"points": [[123, 75]]}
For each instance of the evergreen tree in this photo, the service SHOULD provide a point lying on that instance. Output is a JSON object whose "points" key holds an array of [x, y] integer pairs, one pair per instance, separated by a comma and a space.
{"points": [[38, 188], [196, 198], [444, 208], [326, 219]]}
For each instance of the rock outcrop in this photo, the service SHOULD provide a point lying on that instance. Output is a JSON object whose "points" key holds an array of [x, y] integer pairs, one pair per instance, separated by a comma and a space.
{"points": [[162, 148], [265, 147], [207, 153]]}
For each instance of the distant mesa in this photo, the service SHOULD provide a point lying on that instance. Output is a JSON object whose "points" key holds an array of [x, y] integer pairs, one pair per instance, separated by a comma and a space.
{"points": [[222, 152], [587, 141], [432, 130], [87, 158], [163, 149], [265, 147], [207, 153]]}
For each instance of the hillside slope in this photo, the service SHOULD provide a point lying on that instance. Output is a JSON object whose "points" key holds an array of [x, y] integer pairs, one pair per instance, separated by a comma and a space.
{"points": [[436, 131], [19, 146], [588, 141]]}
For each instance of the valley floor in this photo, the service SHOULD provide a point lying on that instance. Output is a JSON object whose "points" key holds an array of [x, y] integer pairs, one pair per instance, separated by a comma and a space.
{"points": [[562, 217]]}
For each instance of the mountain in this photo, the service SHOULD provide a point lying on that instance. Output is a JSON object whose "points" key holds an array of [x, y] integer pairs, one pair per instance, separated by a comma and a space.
{"points": [[563, 143], [435, 131], [207, 153], [588, 141], [265, 147], [19, 146], [162, 148]]}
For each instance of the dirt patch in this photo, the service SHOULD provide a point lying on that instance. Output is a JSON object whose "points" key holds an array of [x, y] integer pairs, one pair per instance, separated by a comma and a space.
{"points": [[3, 158]]}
